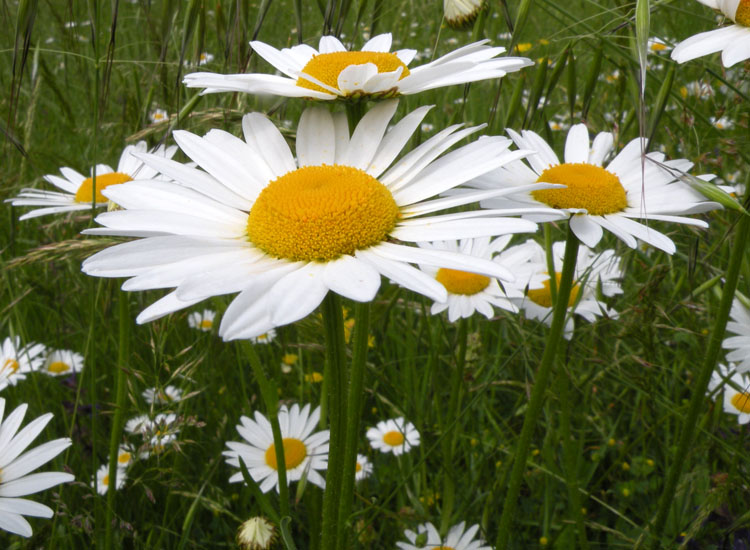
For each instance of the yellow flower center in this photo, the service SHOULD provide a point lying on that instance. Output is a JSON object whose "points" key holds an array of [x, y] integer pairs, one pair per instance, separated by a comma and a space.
{"points": [[318, 213], [742, 16], [314, 376], [444, 548], [658, 47], [741, 402], [11, 365], [206, 324], [394, 439], [358, 467], [326, 67], [294, 453], [105, 480], [289, 359], [461, 282], [124, 458], [543, 296], [58, 367], [86, 190], [591, 187]]}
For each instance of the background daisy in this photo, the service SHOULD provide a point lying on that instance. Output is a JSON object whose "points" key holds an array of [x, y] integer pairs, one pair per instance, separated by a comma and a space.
{"points": [[458, 538], [203, 320], [395, 436], [17, 360], [739, 344], [62, 362], [734, 386]]}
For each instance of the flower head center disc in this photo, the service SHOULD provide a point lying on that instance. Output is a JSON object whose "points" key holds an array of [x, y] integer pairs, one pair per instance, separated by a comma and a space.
{"points": [[294, 453], [444, 548], [741, 402], [393, 438], [11, 365], [86, 189], [543, 296], [742, 15], [588, 186], [58, 367], [461, 282], [326, 67], [124, 458], [319, 213]]}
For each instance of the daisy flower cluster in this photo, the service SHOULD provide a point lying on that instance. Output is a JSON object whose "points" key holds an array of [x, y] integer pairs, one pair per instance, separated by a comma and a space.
{"points": [[16, 361]]}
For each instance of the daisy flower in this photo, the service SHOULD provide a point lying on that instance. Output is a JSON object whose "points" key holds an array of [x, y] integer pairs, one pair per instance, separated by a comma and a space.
{"points": [[77, 191], [285, 232], [16, 361], [14, 466], [722, 123], [733, 41], [203, 320], [126, 454], [470, 292], [458, 538], [62, 362], [332, 72], [162, 396], [265, 338], [139, 424], [461, 14], [102, 479], [305, 452], [158, 115], [739, 344], [593, 271], [657, 45], [597, 197], [395, 436], [363, 468], [736, 391]]}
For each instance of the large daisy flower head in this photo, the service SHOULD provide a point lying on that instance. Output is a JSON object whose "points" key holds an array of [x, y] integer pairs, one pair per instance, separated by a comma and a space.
{"points": [[395, 435], [740, 343], [333, 72], [733, 41], [305, 451], [599, 197], [17, 360], [285, 232], [735, 388], [102, 479], [78, 192], [15, 467], [458, 538]]}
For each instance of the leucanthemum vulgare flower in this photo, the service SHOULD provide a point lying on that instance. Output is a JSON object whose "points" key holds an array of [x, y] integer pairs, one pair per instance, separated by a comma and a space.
{"points": [[395, 435], [363, 468], [596, 197], [333, 72], [739, 344], [735, 387], [62, 362], [461, 14], [15, 466], [594, 271], [305, 452], [471, 292], [458, 538], [202, 320], [77, 190], [162, 396], [17, 360], [284, 232], [265, 338], [733, 41], [102, 479]]}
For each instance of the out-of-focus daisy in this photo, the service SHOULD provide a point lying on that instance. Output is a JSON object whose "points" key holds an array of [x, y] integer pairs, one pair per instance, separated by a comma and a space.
{"points": [[285, 232], [138, 425], [102, 479], [697, 88], [202, 320], [62, 362], [470, 292], [598, 198], [160, 442], [288, 360], [78, 190], [363, 468], [594, 271], [265, 338], [205, 57], [126, 454], [256, 534], [395, 435], [733, 41], [723, 123], [158, 115], [739, 344], [559, 123], [332, 72], [458, 538], [736, 391], [15, 466], [305, 452], [461, 14], [657, 45], [162, 396], [17, 360]]}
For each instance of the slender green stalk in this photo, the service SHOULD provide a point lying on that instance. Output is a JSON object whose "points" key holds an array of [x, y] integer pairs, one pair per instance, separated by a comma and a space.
{"points": [[739, 251], [540, 386]]}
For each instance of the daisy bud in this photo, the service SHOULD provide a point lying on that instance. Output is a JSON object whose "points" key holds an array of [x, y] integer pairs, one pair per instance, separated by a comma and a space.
{"points": [[461, 14], [256, 534]]}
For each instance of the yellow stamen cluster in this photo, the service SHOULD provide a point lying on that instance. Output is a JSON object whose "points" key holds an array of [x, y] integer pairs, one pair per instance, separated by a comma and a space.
{"points": [[741, 402], [326, 67], [543, 296], [124, 458], [11, 365], [319, 213], [86, 189], [588, 186], [394, 439], [444, 548], [294, 453], [742, 15], [461, 282], [207, 324], [58, 367]]}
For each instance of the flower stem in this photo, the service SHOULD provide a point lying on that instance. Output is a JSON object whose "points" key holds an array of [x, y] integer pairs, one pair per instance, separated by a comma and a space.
{"points": [[739, 250], [540, 386]]}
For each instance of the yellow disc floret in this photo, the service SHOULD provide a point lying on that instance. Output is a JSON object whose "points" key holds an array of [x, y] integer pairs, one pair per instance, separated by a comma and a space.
{"points": [[588, 186], [742, 15], [461, 282], [11, 365], [86, 190], [58, 367], [294, 453], [741, 402], [326, 67], [543, 296], [393, 438], [319, 213]]}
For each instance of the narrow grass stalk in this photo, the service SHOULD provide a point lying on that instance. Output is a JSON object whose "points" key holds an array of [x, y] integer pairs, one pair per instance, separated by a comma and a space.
{"points": [[540, 386], [739, 251]]}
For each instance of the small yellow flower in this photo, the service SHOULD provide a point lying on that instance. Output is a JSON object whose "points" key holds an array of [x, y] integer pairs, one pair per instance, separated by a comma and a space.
{"points": [[625, 466], [523, 47], [543, 541], [315, 377], [650, 462], [611, 442], [626, 492]]}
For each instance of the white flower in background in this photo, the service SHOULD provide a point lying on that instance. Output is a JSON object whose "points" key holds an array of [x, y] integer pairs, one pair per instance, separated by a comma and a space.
{"points": [[265, 338], [15, 466], [332, 72], [657, 45], [78, 190], [126, 455], [305, 452], [204, 58], [139, 424], [735, 387], [697, 88], [458, 538], [162, 396], [203, 320], [62, 362], [158, 115], [363, 468], [17, 360], [723, 123], [103, 481], [461, 14], [739, 344], [395, 436]]}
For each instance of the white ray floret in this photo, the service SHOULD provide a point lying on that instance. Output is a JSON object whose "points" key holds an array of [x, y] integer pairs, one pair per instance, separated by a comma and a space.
{"points": [[739, 344], [458, 538], [16, 360]]}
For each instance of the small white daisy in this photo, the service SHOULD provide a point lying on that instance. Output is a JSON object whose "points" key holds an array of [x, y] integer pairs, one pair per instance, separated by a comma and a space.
{"points": [[161, 442], [205, 57], [723, 123], [158, 115], [735, 388], [203, 320], [739, 344], [15, 466], [17, 360], [139, 425], [697, 88], [657, 45], [62, 362], [265, 338], [305, 452], [126, 455], [458, 538], [102, 479], [162, 396], [77, 189], [363, 468], [332, 72], [461, 14], [395, 435]]}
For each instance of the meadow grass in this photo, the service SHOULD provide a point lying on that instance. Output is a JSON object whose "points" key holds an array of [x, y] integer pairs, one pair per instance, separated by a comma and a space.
{"points": [[81, 80]]}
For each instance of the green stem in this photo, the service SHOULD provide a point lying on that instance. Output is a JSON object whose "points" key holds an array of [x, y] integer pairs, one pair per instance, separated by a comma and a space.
{"points": [[739, 250], [540, 386]]}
